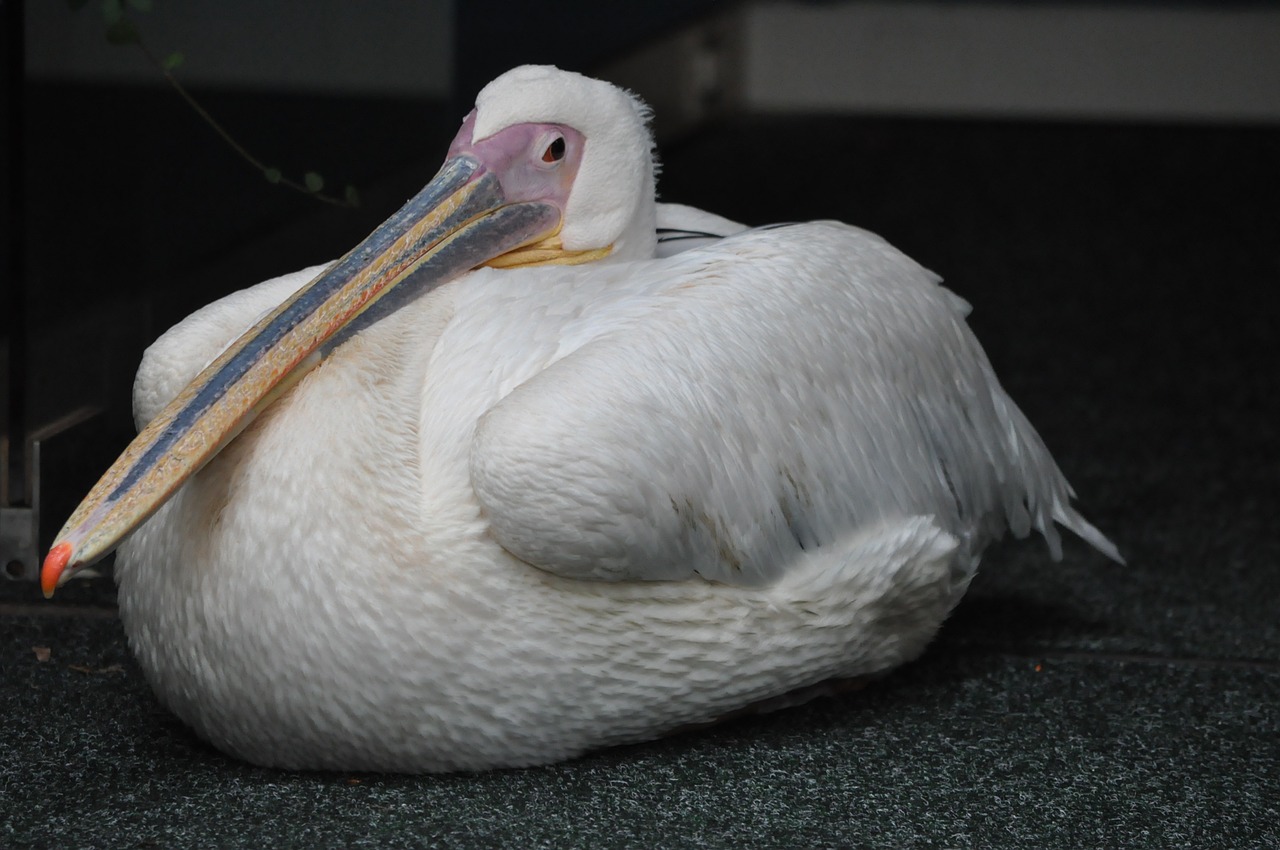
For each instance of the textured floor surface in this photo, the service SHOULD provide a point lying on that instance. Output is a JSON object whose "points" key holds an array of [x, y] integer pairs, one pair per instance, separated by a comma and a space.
{"points": [[1123, 280]]}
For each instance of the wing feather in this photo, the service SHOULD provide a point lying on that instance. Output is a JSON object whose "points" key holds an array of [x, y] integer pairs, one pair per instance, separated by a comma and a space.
{"points": [[780, 390], [178, 355]]}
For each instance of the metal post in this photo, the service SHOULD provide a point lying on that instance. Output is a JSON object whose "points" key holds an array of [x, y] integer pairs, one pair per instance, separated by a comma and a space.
{"points": [[19, 466]]}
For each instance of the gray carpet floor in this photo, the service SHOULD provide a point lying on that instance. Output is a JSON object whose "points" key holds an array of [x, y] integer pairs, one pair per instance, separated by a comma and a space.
{"points": [[1122, 278]]}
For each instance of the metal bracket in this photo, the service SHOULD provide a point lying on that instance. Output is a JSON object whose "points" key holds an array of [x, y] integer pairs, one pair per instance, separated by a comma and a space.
{"points": [[20, 513], [20, 524]]}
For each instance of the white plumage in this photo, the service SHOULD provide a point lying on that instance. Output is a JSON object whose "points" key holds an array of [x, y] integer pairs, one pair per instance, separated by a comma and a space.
{"points": [[542, 510]]}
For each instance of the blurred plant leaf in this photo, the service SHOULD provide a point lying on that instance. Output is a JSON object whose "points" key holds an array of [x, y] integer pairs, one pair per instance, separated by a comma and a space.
{"points": [[122, 31]]}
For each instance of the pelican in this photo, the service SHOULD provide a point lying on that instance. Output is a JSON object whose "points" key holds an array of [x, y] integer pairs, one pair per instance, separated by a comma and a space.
{"points": [[514, 480]]}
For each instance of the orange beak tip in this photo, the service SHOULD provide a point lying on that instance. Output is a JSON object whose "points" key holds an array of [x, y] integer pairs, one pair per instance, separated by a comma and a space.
{"points": [[54, 564]]}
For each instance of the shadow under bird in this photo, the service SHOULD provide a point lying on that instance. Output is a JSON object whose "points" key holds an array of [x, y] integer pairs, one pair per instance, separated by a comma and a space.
{"points": [[517, 478]]}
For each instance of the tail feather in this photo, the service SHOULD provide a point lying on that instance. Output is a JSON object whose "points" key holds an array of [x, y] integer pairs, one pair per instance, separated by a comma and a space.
{"points": [[1069, 518], [1033, 475]]}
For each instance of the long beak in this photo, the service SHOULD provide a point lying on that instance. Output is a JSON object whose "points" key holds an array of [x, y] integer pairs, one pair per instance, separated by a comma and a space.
{"points": [[459, 221]]}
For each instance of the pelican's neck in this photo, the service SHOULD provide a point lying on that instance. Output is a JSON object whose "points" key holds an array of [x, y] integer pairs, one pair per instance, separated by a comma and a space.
{"points": [[639, 240], [639, 237]]}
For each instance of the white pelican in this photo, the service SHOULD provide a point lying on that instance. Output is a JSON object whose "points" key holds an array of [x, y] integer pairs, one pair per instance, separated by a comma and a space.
{"points": [[507, 515]]}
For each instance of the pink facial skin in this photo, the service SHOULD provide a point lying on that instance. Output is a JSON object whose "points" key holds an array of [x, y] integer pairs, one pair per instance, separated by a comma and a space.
{"points": [[533, 162]]}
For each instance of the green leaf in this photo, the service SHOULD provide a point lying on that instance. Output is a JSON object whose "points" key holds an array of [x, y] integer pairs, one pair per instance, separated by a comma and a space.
{"points": [[122, 32], [273, 175], [111, 11], [352, 196], [140, 5], [314, 181], [173, 60]]}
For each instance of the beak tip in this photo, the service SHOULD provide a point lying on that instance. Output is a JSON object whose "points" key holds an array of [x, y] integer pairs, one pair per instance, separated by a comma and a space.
{"points": [[55, 563]]}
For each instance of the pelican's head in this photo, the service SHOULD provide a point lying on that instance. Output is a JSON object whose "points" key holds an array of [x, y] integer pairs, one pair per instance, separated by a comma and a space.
{"points": [[597, 135], [550, 167]]}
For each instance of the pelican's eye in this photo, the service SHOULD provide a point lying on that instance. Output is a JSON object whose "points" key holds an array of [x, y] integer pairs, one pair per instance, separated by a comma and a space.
{"points": [[554, 151]]}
